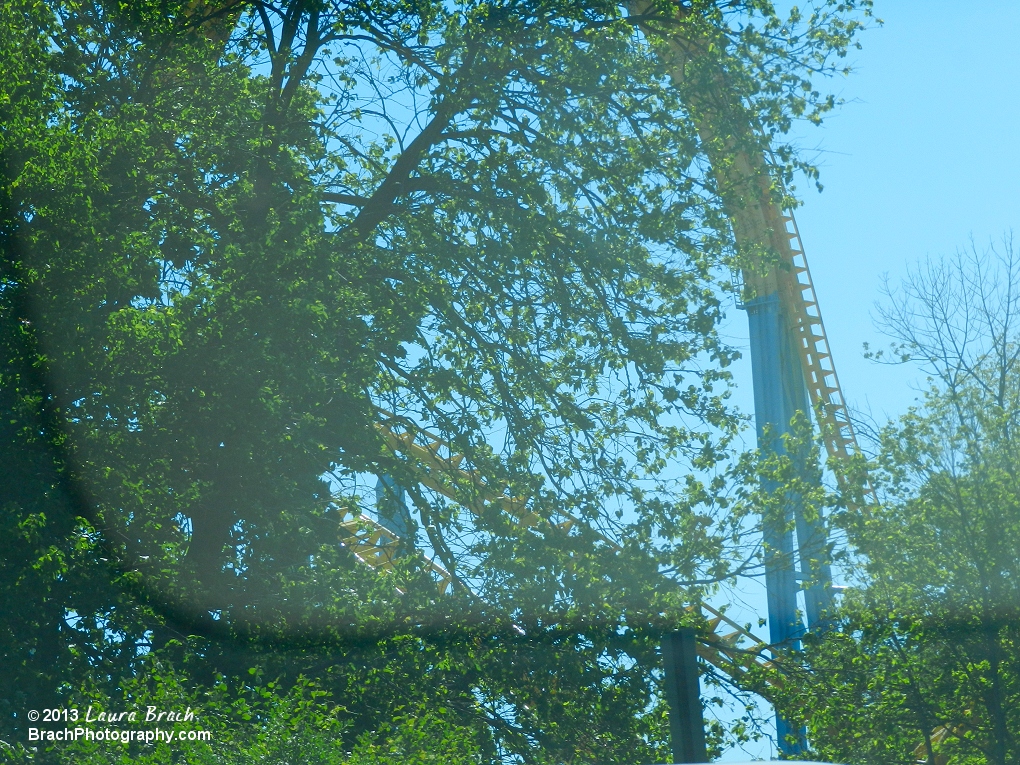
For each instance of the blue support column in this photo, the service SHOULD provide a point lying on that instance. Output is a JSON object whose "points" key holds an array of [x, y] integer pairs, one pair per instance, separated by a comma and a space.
{"points": [[778, 394], [391, 510], [812, 538]]}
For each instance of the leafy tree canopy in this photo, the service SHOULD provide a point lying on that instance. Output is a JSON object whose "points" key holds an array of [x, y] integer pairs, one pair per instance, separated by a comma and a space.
{"points": [[922, 662], [235, 232]]}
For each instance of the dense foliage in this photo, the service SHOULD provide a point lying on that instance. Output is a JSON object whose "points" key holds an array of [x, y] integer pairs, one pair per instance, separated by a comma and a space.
{"points": [[234, 232], [921, 663]]}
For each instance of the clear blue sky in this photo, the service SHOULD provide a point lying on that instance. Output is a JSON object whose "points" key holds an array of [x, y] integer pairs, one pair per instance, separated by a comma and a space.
{"points": [[924, 155]]}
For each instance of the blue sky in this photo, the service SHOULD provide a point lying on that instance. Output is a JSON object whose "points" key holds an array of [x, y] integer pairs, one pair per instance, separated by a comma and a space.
{"points": [[924, 155]]}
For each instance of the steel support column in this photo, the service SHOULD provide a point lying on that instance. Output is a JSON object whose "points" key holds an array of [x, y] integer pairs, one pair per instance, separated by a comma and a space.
{"points": [[778, 394], [683, 693], [391, 510]]}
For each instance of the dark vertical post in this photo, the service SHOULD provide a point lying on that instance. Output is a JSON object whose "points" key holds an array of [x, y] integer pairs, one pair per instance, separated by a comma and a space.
{"points": [[683, 692]]}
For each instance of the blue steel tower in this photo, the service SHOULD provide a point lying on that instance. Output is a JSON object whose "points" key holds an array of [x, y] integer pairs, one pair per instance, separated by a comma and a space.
{"points": [[784, 345], [779, 394], [790, 360]]}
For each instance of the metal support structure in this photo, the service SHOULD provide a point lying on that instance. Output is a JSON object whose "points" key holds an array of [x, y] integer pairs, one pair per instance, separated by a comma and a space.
{"points": [[779, 394], [683, 693], [391, 510], [776, 394]]}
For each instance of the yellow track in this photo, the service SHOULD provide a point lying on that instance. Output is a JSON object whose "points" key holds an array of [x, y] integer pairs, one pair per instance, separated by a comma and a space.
{"points": [[439, 468], [762, 222]]}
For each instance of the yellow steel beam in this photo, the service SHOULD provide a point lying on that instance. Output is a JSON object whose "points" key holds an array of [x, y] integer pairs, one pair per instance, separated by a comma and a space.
{"points": [[440, 468]]}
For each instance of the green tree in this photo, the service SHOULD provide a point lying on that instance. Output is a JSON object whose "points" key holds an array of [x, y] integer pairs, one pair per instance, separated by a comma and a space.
{"points": [[232, 231], [924, 652]]}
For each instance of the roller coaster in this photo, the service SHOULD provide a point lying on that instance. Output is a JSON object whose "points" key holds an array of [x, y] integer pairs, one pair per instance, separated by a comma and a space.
{"points": [[793, 371], [792, 368], [724, 643]]}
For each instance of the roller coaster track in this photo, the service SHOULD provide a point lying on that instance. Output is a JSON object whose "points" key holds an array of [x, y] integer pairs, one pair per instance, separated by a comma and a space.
{"points": [[440, 466], [724, 643], [376, 546], [812, 344], [808, 332], [750, 190]]}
